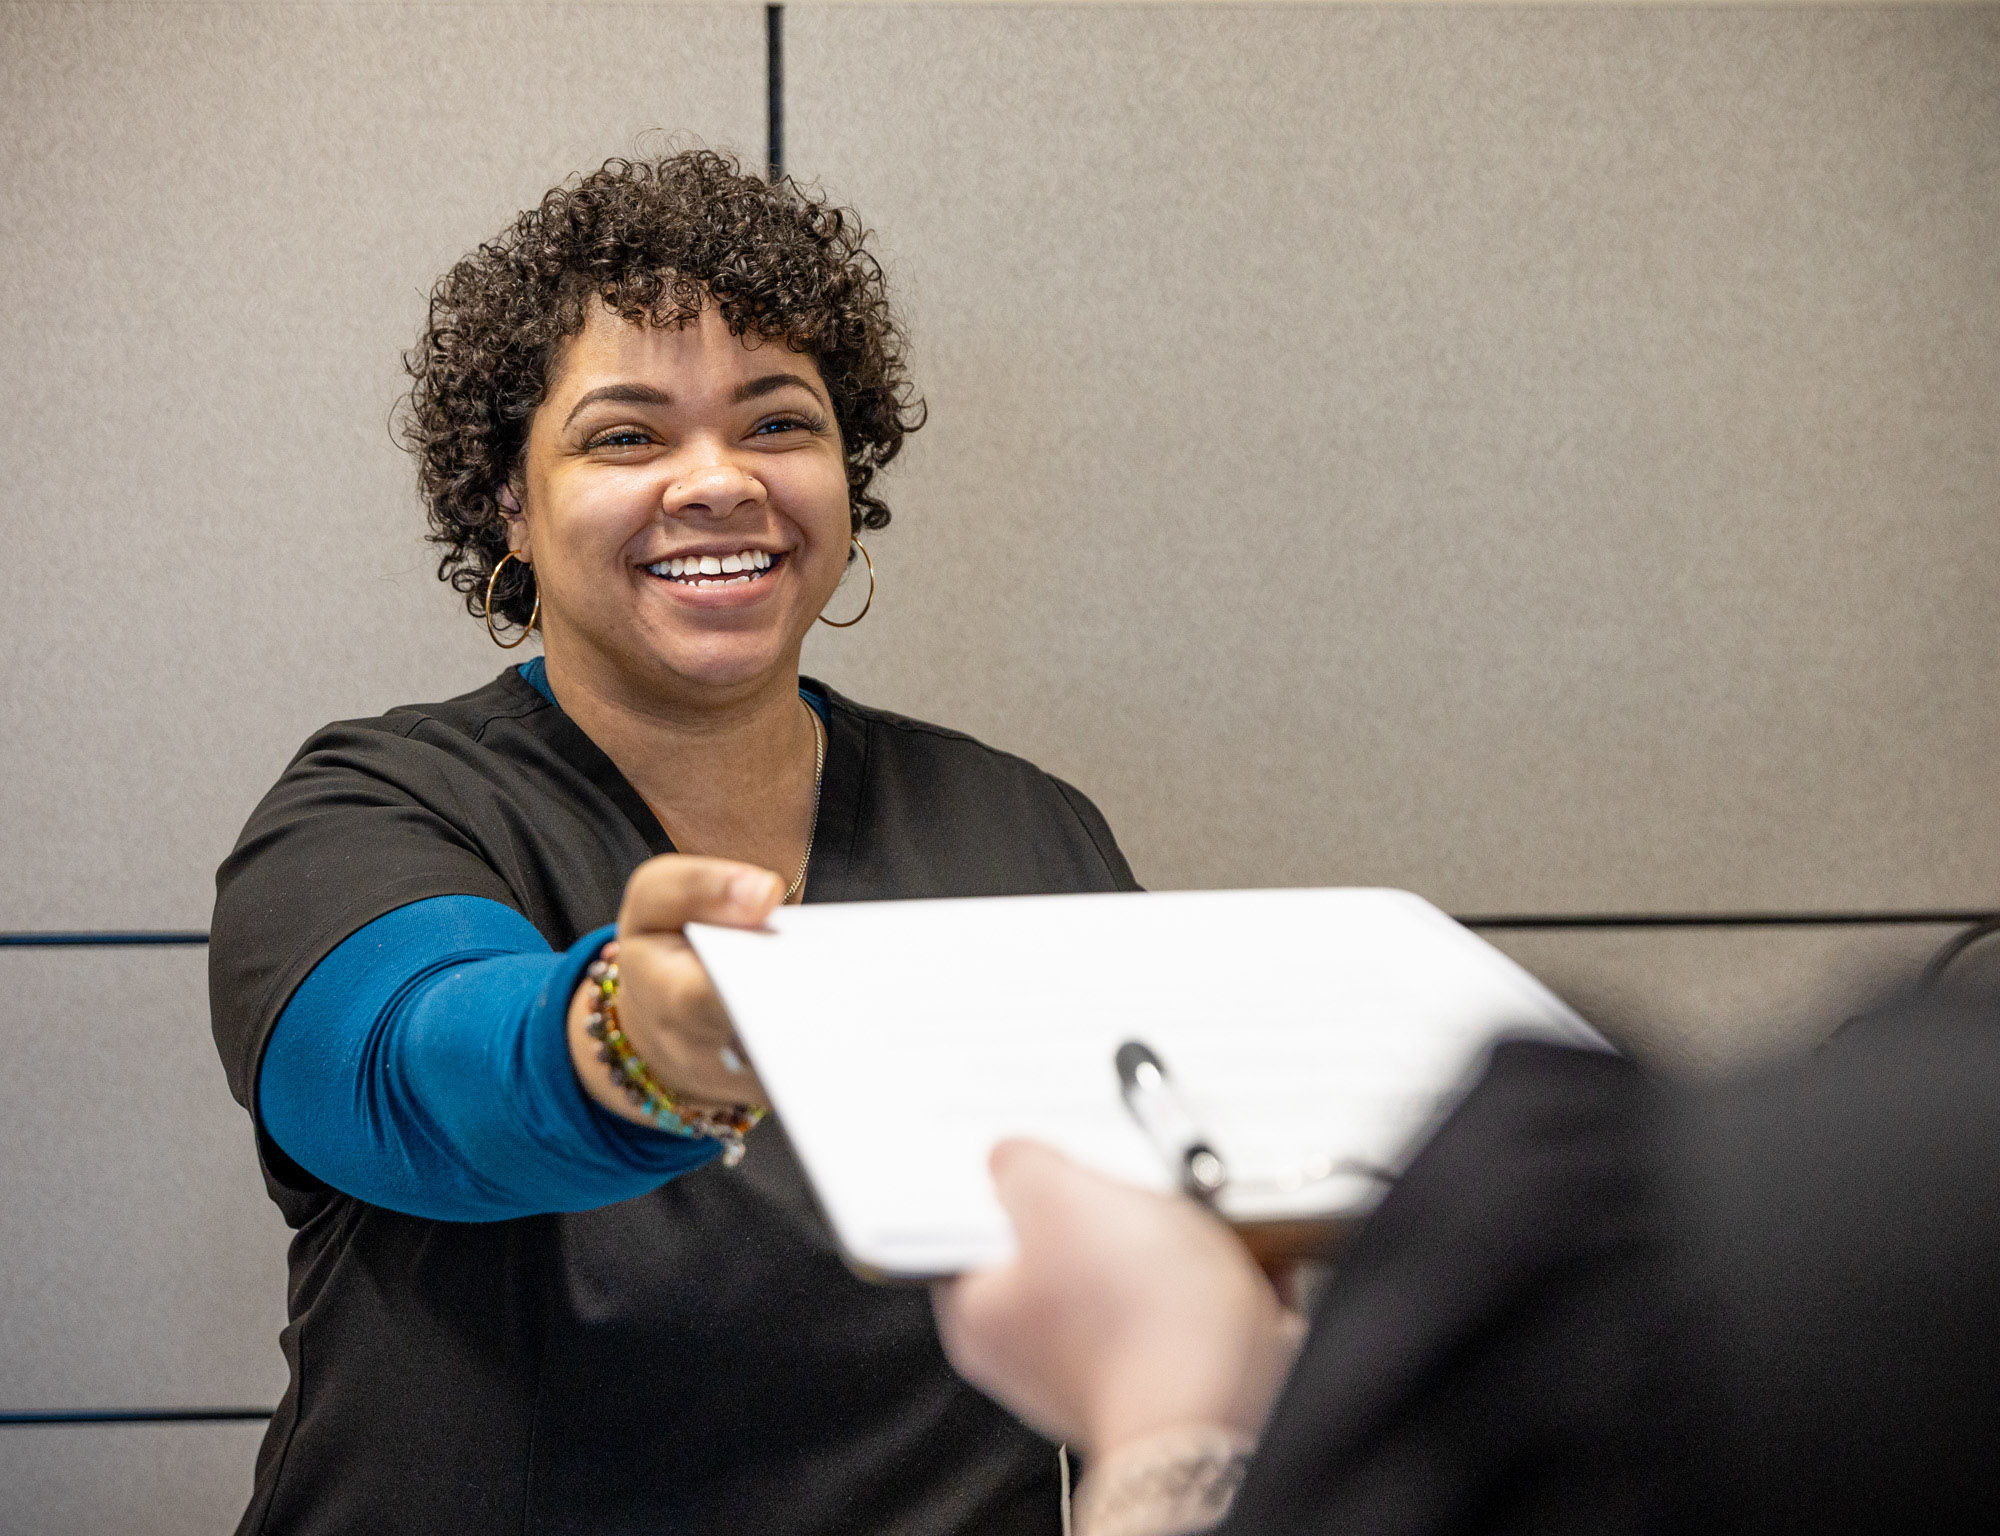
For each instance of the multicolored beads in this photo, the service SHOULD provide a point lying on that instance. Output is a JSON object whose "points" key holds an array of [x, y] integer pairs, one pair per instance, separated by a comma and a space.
{"points": [[630, 1072]]}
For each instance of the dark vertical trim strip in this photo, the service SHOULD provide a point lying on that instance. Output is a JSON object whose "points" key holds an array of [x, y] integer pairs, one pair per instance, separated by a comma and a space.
{"points": [[774, 89]]}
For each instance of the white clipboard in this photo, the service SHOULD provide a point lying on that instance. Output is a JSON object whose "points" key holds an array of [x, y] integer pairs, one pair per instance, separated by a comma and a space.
{"points": [[1312, 1035]]}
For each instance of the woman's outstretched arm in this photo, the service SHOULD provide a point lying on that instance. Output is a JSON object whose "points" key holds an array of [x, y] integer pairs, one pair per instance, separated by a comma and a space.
{"points": [[424, 1066]]}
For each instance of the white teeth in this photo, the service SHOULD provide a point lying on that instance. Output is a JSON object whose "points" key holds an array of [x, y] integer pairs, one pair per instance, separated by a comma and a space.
{"points": [[741, 566]]}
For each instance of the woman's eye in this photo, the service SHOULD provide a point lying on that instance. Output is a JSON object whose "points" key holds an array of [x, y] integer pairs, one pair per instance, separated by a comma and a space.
{"points": [[785, 424], [622, 437]]}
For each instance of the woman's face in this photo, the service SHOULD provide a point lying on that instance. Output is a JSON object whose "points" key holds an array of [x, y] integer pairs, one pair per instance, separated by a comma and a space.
{"points": [[683, 501]]}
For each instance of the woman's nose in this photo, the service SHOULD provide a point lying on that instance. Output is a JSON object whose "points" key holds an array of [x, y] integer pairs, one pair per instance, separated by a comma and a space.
{"points": [[712, 486]]}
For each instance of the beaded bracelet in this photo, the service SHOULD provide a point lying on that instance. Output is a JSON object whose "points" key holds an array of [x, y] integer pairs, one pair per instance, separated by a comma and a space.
{"points": [[630, 1072]]}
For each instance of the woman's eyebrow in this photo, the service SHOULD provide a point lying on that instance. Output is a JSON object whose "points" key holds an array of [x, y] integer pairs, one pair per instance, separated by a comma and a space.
{"points": [[624, 394], [647, 394], [768, 383]]}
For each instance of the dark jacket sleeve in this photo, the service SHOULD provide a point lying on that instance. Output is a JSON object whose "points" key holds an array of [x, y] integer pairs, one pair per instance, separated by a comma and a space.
{"points": [[1833, 1248], [1474, 1363], [1592, 1304]]}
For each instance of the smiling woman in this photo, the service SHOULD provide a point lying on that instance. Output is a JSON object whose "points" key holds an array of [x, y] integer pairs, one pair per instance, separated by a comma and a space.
{"points": [[658, 446], [551, 1271]]}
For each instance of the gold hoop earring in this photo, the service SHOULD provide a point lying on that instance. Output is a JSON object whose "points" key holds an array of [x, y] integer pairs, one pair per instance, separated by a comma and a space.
{"points": [[850, 623], [534, 618]]}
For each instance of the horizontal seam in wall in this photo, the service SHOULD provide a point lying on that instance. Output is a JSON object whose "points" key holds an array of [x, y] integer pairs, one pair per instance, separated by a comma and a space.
{"points": [[106, 936], [1521, 920], [135, 1416], [1726, 919]]}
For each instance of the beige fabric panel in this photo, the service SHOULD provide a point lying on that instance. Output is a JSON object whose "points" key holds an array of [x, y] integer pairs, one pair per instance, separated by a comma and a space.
{"points": [[1541, 457], [1696, 1001], [218, 226], [126, 1479], [145, 1266]]}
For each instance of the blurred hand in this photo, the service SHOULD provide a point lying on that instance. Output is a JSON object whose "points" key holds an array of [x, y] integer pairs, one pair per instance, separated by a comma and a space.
{"points": [[1125, 1313], [667, 1005]]}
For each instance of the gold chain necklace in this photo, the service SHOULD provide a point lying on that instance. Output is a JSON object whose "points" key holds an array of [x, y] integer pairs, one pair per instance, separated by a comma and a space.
{"points": [[812, 831]]}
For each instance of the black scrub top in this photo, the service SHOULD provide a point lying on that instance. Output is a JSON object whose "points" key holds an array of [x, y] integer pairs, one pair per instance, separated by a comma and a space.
{"points": [[697, 1359]]}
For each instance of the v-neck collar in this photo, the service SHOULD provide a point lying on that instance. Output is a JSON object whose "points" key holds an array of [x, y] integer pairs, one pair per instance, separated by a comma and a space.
{"points": [[840, 792], [830, 873]]}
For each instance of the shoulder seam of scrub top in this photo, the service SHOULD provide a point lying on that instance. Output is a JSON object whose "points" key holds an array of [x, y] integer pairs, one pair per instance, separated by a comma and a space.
{"points": [[445, 1021], [1071, 795], [896, 722]]}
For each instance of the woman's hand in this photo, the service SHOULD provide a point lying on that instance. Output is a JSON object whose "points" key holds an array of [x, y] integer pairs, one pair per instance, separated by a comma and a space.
{"points": [[1125, 1313], [666, 1004]]}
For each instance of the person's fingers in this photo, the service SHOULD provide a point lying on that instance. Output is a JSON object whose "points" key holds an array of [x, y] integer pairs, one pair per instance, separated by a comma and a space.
{"points": [[949, 1308], [674, 889], [992, 1333], [1034, 1181], [1123, 1312], [969, 1321], [1022, 1157], [670, 1010], [1058, 1204]]}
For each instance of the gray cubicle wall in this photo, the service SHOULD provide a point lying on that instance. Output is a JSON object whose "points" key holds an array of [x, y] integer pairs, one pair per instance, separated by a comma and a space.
{"points": [[1541, 457], [218, 225]]}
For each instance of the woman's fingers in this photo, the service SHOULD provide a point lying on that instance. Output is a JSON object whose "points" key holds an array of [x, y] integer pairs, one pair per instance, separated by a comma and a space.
{"points": [[675, 889], [664, 971], [669, 1009], [667, 1005]]}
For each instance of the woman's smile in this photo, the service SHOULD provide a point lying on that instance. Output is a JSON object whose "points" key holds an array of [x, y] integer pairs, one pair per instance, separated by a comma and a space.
{"points": [[707, 468], [712, 578], [705, 570]]}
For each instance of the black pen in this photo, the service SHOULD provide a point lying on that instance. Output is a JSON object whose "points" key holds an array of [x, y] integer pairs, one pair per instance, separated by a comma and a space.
{"points": [[1149, 1095]]}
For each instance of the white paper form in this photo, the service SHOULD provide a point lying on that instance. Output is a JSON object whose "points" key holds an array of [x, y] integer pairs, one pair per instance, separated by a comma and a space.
{"points": [[1312, 1033]]}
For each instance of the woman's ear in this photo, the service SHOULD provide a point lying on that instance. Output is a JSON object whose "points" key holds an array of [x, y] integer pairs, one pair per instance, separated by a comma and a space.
{"points": [[517, 522]]}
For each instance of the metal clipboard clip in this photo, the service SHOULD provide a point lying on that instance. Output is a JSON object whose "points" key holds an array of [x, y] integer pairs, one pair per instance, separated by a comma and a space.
{"points": [[1152, 1101]]}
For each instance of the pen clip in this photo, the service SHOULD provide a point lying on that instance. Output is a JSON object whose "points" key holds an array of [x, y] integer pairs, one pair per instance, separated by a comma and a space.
{"points": [[1151, 1100]]}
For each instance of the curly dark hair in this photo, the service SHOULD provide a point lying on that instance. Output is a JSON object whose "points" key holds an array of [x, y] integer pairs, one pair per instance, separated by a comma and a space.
{"points": [[654, 240]]}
